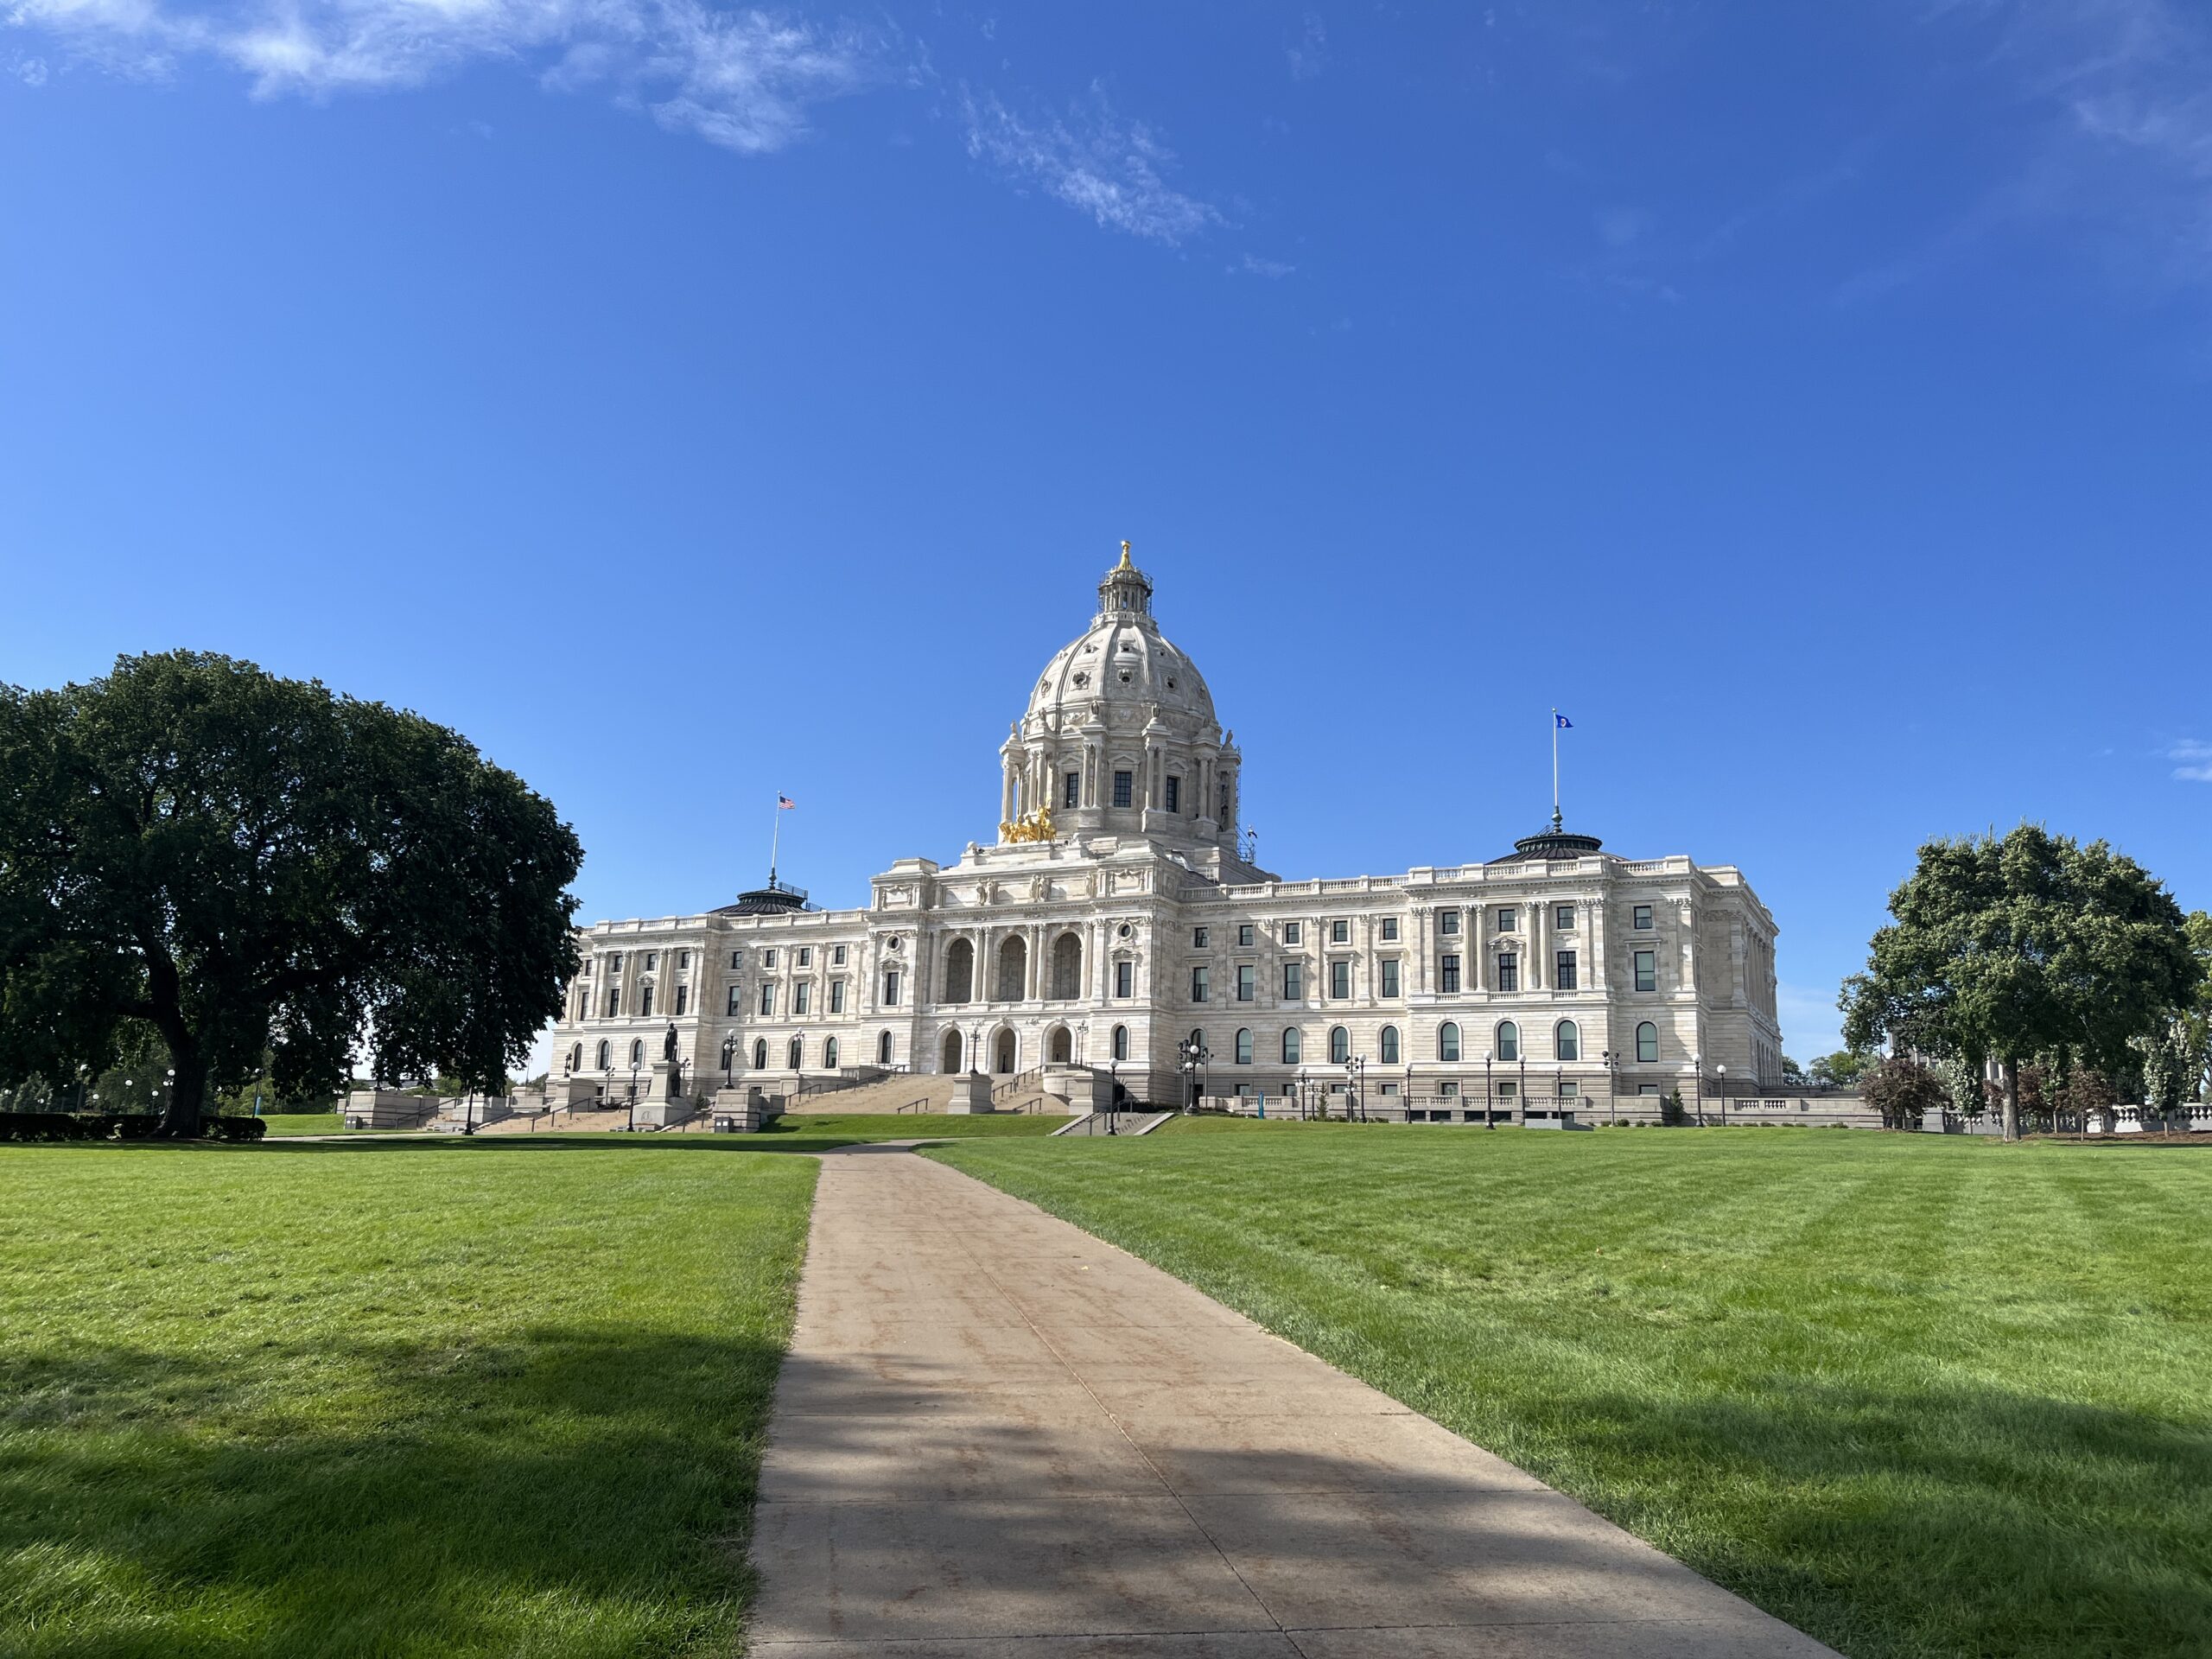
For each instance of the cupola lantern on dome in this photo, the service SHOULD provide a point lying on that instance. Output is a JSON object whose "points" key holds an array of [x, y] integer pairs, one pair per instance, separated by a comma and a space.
{"points": [[1127, 590]]}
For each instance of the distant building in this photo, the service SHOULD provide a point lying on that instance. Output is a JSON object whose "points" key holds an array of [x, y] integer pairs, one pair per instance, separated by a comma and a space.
{"points": [[1115, 919]]}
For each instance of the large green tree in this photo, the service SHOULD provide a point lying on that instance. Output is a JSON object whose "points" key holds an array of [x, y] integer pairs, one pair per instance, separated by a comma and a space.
{"points": [[2008, 948], [255, 867]]}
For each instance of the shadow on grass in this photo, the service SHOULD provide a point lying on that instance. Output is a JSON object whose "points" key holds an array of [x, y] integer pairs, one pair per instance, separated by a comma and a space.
{"points": [[574, 1491]]}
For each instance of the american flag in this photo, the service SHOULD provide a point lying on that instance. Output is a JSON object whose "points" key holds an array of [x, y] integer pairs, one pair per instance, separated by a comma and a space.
{"points": [[785, 804]]}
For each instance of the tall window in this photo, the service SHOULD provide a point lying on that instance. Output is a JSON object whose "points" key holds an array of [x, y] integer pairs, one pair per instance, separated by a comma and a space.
{"points": [[836, 955], [760, 1053], [1509, 972], [1563, 973], [1243, 1048], [1448, 922], [1291, 932], [637, 1050], [1447, 1043], [767, 1000], [1340, 1045], [1246, 982], [1174, 793], [1640, 917], [1340, 979], [891, 988], [1387, 1045], [1293, 982], [883, 1049], [1390, 977], [836, 997], [577, 1056], [806, 955], [737, 958], [736, 1000], [1447, 973], [802, 999], [1567, 1041], [1508, 1040], [614, 1001], [615, 961], [1120, 1042], [1125, 979], [1647, 1043], [1072, 789], [1198, 938], [1293, 1045], [683, 999], [652, 960], [1505, 919], [1389, 930], [768, 957], [829, 1053], [1647, 970], [794, 1055], [1121, 782], [1198, 984], [645, 1003], [602, 1054]]}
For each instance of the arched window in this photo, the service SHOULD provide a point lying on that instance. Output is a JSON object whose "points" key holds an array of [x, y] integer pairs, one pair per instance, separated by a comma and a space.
{"points": [[794, 1054], [1508, 1040], [948, 1054], [1567, 1041], [637, 1050], [1647, 1043], [1059, 1047], [1120, 1042], [959, 971], [883, 1049], [1340, 1045], [1388, 1047], [1293, 1045], [760, 1053], [1014, 970], [829, 1053], [1067, 968], [577, 1058], [1243, 1048], [602, 1054], [1447, 1043]]}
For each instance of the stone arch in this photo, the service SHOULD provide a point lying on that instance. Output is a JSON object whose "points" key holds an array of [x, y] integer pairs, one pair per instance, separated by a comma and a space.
{"points": [[883, 1049], [959, 973], [1067, 968], [1006, 1051], [1059, 1046], [795, 1054], [1014, 970], [950, 1053], [760, 1053]]}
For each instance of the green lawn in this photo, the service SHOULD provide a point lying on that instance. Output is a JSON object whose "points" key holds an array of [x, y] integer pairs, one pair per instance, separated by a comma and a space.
{"points": [[1917, 1395], [284, 1123], [936, 1126], [391, 1397]]}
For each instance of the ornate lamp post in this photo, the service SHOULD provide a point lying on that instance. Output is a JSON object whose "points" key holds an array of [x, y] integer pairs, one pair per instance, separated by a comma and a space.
{"points": [[1113, 1093], [1697, 1064], [1488, 1121], [637, 1059], [1723, 1072], [729, 1057], [1355, 1101]]}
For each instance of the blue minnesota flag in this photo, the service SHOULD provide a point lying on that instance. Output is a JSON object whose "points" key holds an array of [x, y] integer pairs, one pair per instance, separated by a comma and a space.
{"points": [[1565, 724]]}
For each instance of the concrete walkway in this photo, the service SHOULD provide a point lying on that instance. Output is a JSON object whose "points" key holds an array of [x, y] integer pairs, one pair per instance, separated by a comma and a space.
{"points": [[996, 1436]]}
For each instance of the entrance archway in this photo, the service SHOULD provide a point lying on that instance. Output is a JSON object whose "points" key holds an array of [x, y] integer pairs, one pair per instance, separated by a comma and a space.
{"points": [[1005, 1054], [951, 1051], [1059, 1047]]}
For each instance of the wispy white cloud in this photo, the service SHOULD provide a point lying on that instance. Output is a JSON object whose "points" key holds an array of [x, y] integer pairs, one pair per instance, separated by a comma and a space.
{"points": [[1311, 53], [1092, 160], [743, 79], [1252, 265], [2192, 760]]}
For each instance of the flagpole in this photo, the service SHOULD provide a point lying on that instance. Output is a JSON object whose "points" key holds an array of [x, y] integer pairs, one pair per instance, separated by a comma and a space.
{"points": [[1555, 818], [776, 830]]}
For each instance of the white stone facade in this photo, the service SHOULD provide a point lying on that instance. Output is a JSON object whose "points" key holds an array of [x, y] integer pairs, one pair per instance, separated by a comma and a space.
{"points": [[1569, 970]]}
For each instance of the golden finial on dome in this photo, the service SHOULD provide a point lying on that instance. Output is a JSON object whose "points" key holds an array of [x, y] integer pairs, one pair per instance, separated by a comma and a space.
{"points": [[1125, 564]]}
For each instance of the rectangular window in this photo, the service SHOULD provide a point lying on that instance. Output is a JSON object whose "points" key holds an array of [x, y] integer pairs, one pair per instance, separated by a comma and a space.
{"points": [[1449, 1091], [1125, 979], [836, 997], [1569, 1088], [767, 998], [736, 994], [614, 963], [1246, 936], [645, 1003], [1504, 919], [1290, 933], [737, 958], [1072, 789], [1389, 930], [1390, 977], [1447, 973], [587, 973], [802, 998], [1640, 918], [1175, 794], [1644, 1089], [1121, 782], [1293, 982], [683, 997], [806, 955], [1647, 970], [1563, 972], [1246, 982], [1339, 933], [891, 988], [1198, 984], [1506, 1089], [1198, 938], [683, 959], [614, 1001], [1339, 979], [768, 957], [836, 955], [1448, 922], [652, 960], [1563, 918], [1509, 972]]}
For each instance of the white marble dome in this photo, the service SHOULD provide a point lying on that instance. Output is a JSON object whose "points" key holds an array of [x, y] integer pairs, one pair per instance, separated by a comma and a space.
{"points": [[1121, 662]]}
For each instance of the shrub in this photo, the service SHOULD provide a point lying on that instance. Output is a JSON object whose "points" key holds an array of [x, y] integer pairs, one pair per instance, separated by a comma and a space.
{"points": [[1672, 1113], [234, 1128]]}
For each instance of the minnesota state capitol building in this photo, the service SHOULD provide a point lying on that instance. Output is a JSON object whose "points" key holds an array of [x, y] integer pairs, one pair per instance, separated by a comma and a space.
{"points": [[1117, 924]]}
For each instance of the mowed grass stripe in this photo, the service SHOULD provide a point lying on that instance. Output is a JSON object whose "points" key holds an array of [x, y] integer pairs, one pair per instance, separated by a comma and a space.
{"points": [[1919, 1395], [430, 1399]]}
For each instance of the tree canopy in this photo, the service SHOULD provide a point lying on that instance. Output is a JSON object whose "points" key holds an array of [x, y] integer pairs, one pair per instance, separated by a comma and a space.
{"points": [[259, 869], [2009, 948]]}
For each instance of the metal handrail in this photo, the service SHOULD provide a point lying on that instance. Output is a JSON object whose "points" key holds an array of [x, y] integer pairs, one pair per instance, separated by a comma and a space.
{"points": [[913, 1105]]}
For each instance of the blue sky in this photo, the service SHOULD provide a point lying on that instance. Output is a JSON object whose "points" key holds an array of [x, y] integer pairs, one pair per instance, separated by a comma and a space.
{"points": [[689, 403]]}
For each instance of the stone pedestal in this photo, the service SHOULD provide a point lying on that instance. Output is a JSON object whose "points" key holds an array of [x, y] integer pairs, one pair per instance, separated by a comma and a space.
{"points": [[388, 1109], [745, 1111], [972, 1096]]}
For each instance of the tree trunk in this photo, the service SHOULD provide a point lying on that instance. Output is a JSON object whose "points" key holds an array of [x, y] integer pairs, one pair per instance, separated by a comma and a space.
{"points": [[181, 1119], [2011, 1069]]}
